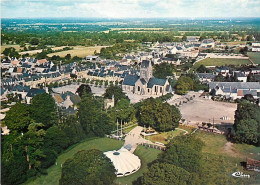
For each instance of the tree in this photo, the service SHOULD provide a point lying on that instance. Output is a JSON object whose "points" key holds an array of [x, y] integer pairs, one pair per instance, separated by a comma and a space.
{"points": [[163, 70], [247, 123], [44, 110], [160, 116], [55, 139], [33, 142], [83, 88], [185, 152], [164, 174], [91, 117], [184, 84], [34, 41], [14, 166], [68, 57], [219, 78], [18, 118], [184, 38], [116, 91], [201, 69], [89, 167], [123, 110], [11, 52]]}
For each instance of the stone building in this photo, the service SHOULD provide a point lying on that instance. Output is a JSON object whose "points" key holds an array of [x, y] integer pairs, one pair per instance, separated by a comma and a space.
{"points": [[146, 84]]}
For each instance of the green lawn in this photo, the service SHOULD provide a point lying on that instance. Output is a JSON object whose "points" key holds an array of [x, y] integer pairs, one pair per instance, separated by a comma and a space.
{"points": [[255, 56], [54, 172], [163, 136], [147, 155], [219, 164], [220, 62]]}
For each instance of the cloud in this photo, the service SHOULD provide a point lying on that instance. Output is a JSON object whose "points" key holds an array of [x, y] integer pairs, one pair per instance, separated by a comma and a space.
{"points": [[130, 8]]}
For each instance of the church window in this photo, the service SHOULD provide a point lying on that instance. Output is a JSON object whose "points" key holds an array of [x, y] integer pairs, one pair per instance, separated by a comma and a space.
{"points": [[138, 88]]}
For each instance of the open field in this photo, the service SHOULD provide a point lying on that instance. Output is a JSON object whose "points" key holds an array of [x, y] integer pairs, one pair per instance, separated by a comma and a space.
{"points": [[255, 56], [80, 51], [32, 52], [235, 43], [54, 172], [16, 46], [221, 62], [163, 136], [147, 155]]}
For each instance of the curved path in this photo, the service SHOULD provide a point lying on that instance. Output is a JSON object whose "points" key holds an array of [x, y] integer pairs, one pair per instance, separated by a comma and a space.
{"points": [[134, 138]]}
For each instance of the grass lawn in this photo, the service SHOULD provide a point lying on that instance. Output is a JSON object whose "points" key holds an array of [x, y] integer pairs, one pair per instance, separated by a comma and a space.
{"points": [[80, 51], [255, 56], [220, 62], [147, 155], [54, 172], [162, 137], [220, 164]]}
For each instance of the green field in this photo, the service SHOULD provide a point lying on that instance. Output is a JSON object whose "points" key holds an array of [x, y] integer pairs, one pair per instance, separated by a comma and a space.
{"points": [[163, 136], [220, 162], [147, 155], [221, 62], [54, 172], [255, 56]]}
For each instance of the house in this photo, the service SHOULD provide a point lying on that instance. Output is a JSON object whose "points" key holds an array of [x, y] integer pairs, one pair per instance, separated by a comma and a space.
{"points": [[224, 71], [207, 44], [235, 90], [206, 77], [192, 39], [92, 58], [241, 77], [146, 84], [256, 46]]}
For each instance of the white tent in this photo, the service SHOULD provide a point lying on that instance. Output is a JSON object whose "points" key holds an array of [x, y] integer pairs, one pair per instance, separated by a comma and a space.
{"points": [[124, 162]]}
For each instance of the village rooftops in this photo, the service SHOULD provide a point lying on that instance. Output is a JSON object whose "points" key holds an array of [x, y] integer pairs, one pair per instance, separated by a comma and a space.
{"points": [[235, 85]]}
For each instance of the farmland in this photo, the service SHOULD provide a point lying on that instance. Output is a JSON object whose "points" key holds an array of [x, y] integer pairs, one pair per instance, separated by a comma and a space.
{"points": [[80, 51]]}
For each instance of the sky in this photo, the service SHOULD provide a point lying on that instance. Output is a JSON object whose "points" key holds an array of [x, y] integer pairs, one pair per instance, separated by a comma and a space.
{"points": [[129, 8]]}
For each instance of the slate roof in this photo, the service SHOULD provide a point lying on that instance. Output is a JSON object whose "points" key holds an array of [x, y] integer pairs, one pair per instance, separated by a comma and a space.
{"points": [[145, 63], [130, 80], [75, 99], [235, 85], [156, 81], [143, 81], [33, 92], [206, 75]]}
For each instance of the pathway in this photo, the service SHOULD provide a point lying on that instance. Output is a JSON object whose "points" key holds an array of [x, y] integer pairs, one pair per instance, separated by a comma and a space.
{"points": [[134, 138]]}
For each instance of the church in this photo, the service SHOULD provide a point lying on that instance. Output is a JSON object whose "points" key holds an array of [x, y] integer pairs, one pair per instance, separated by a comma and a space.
{"points": [[146, 84]]}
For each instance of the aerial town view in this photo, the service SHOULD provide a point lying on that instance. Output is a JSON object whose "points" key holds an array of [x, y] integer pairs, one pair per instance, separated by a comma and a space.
{"points": [[130, 92]]}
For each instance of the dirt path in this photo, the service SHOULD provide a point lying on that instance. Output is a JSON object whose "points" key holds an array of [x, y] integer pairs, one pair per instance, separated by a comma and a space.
{"points": [[229, 149]]}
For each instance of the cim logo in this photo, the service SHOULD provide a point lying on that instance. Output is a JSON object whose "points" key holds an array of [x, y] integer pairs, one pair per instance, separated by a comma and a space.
{"points": [[240, 175]]}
